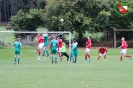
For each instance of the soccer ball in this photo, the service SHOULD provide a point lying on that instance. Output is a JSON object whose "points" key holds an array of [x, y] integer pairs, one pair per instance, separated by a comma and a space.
{"points": [[62, 20]]}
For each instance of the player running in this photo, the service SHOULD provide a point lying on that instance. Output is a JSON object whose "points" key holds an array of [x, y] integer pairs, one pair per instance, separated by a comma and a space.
{"points": [[53, 47], [74, 51], [45, 36], [17, 45], [124, 49], [88, 48], [59, 46], [102, 50], [40, 40]]}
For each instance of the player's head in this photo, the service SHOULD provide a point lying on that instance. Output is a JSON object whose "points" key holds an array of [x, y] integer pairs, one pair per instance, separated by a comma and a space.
{"points": [[89, 37], [54, 37], [101, 46], [122, 38], [46, 32], [39, 34], [18, 39]]}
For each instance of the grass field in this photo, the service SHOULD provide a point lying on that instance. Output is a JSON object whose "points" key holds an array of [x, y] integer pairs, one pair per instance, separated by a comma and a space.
{"points": [[31, 73]]}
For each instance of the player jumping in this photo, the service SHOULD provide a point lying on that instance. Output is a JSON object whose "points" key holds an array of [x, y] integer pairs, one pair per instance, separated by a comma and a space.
{"points": [[40, 40], [45, 35], [59, 46]]}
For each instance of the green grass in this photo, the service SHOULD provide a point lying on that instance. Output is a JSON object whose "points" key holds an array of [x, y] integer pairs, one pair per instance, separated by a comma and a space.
{"points": [[31, 73]]}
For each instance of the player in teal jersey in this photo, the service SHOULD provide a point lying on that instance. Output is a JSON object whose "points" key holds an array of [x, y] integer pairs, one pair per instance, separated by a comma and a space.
{"points": [[17, 45], [74, 51], [45, 35], [53, 47]]}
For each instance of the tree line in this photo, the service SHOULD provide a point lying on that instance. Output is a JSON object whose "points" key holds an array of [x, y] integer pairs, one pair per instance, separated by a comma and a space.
{"points": [[79, 16]]}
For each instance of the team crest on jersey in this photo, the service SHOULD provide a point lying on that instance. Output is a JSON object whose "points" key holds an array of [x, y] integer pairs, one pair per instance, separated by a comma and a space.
{"points": [[123, 8]]}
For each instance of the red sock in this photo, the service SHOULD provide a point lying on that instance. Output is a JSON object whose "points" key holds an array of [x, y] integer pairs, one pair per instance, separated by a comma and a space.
{"points": [[39, 53], [88, 55], [128, 56], [105, 57], [98, 58], [59, 54], [120, 58], [85, 56]]}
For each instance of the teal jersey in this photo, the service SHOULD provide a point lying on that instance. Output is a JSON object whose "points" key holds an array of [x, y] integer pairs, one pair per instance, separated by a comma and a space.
{"points": [[45, 37], [54, 44], [75, 47], [17, 45]]}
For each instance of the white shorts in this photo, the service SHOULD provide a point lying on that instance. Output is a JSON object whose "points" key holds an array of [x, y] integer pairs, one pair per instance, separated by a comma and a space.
{"points": [[123, 51], [59, 50], [41, 45], [102, 54], [87, 50]]}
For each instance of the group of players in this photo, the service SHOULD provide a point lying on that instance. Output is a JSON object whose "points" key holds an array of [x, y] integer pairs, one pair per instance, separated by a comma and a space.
{"points": [[58, 46]]}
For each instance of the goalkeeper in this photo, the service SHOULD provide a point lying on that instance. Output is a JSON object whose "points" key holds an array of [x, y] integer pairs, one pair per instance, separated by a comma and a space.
{"points": [[63, 52]]}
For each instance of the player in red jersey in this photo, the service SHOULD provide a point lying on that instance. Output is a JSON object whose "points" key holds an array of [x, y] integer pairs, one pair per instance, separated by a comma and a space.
{"points": [[124, 49], [88, 48], [59, 45], [102, 50], [40, 40]]}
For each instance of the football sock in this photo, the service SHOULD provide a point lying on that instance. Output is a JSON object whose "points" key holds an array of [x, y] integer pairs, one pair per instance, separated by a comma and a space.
{"points": [[98, 58], [55, 59], [70, 57], [120, 58], [18, 60], [15, 59], [88, 55], [46, 51], [39, 53], [105, 57], [128, 56], [51, 57], [43, 53], [85, 56]]}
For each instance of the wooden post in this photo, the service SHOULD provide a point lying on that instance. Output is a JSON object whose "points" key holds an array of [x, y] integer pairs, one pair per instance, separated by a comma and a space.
{"points": [[114, 38]]}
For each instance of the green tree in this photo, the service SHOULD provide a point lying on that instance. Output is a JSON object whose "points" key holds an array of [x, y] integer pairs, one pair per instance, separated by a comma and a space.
{"points": [[28, 21], [78, 15]]}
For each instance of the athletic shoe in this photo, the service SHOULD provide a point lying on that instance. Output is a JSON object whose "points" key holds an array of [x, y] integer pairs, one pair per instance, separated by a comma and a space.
{"points": [[34, 52], [131, 58], [14, 62], [43, 55], [104, 60], [85, 60], [39, 58], [90, 59]]}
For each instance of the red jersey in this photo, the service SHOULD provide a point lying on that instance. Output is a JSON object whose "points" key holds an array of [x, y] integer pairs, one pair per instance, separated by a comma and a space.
{"points": [[102, 50], [124, 44], [88, 44], [60, 43], [40, 39]]}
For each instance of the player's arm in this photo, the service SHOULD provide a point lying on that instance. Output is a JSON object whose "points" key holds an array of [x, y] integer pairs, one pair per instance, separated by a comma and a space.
{"points": [[120, 46]]}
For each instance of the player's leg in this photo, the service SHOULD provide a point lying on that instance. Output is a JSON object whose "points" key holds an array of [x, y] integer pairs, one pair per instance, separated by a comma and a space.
{"points": [[39, 50], [126, 55], [55, 55], [18, 55], [65, 54], [52, 58], [87, 54], [15, 57], [43, 52], [104, 56], [59, 53], [46, 50], [62, 53], [99, 56], [121, 55]]}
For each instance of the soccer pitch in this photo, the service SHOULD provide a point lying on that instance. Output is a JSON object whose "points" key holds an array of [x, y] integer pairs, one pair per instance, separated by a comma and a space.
{"points": [[31, 73]]}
